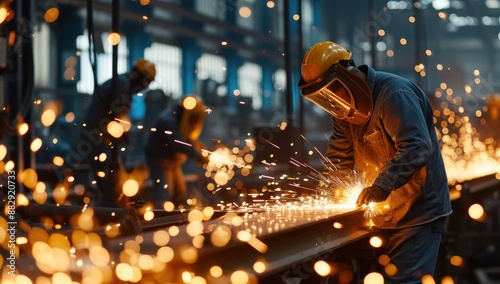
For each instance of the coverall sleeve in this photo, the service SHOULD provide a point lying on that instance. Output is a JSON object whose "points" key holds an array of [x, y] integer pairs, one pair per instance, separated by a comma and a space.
{"points": [[403, 116]]}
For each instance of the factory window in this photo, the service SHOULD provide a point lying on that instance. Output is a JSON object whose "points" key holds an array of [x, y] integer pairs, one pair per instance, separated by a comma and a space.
{"points": [[211, 66], [215, 9], [250, 82], [44, 70], [308, 24], [307, 14], [275, 18], [279, 79], [211, 72], [168, 61], [104, 62]]}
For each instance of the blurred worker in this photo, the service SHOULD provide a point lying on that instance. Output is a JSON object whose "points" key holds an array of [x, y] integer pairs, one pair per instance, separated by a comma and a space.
{"points": [[174, 140], [493, 117], [383, 128], [100, 140]]}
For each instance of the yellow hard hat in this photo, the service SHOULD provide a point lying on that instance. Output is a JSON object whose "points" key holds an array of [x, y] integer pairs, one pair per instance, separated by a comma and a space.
{"points": [[147, 68], [320, 57], [328, 82], [192, 117]]}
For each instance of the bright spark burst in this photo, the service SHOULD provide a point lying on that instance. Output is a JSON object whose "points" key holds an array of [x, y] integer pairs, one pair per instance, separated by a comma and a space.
{"points": [[370, 210], [223, 158], [223, 165], [335, 186], [335, 190]]}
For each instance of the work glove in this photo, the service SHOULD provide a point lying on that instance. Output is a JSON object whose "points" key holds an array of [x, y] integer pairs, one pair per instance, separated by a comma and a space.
{"points": [[372, 193]]}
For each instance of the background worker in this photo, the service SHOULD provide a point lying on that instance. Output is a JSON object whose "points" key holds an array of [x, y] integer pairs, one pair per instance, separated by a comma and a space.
{"points": [[170, 145], [107, 106], [383, 129]]}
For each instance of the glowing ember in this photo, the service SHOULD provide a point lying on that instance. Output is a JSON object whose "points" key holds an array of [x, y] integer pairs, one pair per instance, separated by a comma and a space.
{"points": [[224, 163], [338, 187], [466, 154]]}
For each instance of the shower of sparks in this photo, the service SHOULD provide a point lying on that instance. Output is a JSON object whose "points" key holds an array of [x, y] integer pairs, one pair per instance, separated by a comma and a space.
{"points": [[218, 157], [325, 161], [468, 153], [333, 191], [268, 164], [335, 185], [225, 163], [181, 142], [370, 211], [270, 143], [123, 121], [264, 176], [338, 188], [477, 158]]}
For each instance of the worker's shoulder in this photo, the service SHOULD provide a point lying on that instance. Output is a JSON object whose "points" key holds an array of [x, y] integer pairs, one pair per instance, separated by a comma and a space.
{"points": [[390, 84], [390, 79]]}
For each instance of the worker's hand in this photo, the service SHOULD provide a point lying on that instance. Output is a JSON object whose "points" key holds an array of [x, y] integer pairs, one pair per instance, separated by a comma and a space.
{"points": [[372, 193]]}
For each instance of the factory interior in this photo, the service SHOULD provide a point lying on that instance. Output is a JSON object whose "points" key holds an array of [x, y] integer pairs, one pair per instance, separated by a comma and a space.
{"points": [[253, 211]]}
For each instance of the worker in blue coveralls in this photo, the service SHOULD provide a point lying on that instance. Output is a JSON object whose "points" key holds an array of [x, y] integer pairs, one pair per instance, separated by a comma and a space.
{"points": [[99, 143], [174, 140], [383, 129]]}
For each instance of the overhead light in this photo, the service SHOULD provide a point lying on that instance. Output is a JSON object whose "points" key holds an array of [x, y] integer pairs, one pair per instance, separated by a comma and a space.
{"points": [[492, 4], [490, 21], [398, 5], [440, 4], [461, 21]]}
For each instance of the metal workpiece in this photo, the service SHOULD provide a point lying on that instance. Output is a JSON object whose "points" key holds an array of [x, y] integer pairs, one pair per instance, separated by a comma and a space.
{"points": [[63, 215], [258, 243]]}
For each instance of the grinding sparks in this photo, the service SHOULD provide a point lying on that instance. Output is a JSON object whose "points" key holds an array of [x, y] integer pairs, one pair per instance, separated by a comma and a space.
{"points": [[370, 211], [225, 163], [270, 143], [264, 176], [376, 208], [337, 186], [183, 143], [218, 157], [341, 190]]}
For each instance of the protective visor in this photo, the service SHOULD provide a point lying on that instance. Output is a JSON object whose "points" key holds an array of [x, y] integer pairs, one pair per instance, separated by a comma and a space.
{"points": [[341, 93]]}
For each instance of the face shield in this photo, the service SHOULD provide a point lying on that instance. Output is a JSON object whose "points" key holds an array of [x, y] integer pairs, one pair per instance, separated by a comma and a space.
{"points": [[341, 93]]}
